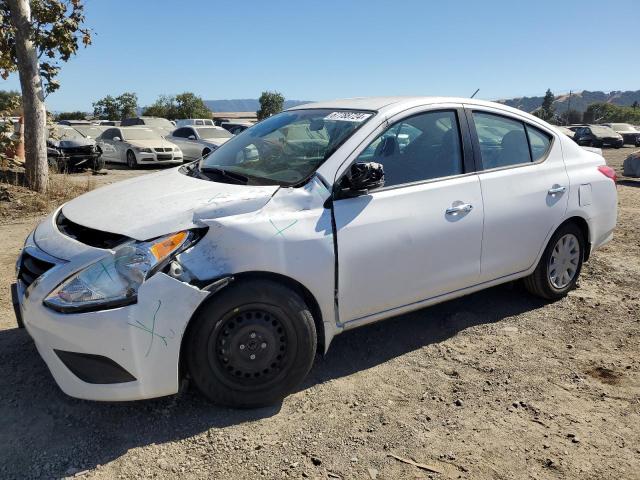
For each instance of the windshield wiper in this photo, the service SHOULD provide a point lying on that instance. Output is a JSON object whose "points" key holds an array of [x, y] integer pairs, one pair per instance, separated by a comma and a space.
{"points": [[236, 177]]}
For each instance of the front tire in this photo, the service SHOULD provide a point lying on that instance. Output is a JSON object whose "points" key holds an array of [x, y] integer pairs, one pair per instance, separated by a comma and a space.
{"points": [[131, 159], [251, 345], [560, 265]]}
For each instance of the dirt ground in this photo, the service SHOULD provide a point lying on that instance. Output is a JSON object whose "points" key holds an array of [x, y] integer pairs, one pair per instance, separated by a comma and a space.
{"points": [[496, 385]]}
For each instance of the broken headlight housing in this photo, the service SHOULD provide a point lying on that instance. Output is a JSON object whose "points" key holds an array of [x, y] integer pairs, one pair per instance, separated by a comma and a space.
{"points": [[114, 281]]}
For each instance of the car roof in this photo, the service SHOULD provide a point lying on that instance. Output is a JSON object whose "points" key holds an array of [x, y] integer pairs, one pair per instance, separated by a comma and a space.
{"points": [[381, 104]]}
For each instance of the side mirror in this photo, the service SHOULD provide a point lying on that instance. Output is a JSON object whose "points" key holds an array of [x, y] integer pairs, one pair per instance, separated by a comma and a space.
{"points": [[192, 137], [117, 139], [361, 178]]}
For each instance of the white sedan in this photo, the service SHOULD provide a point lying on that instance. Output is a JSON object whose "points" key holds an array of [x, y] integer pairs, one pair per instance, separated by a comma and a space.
{"points": [[236, 269], [138, 146], [197, 142]]}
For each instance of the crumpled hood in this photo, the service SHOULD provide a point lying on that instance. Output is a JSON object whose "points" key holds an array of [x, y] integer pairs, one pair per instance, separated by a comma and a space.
{"points": [[156, 204], [80, 142]]}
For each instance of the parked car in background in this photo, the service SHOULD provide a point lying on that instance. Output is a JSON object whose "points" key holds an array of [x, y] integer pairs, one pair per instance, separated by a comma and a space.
{"points": [[197, 142], [630, 134], [567, 131], [90, 130], [194, 121], [598, 136], [163, 125], [109, 123], [68, 149], [235, 127], [226, 269], [138, 146], [74, 122]]}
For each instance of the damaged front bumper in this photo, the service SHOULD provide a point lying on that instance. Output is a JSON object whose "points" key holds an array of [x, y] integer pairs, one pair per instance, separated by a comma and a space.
{"points": [[126, 353]]}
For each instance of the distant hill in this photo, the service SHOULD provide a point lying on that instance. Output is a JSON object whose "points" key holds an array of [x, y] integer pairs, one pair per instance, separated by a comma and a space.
{"points": [[579, 101], [245, 105]]}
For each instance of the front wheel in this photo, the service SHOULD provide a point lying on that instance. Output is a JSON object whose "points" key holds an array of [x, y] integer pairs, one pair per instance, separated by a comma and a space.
{"points": [[560, 265], [251, 345], [131, 159], [97, 164]]}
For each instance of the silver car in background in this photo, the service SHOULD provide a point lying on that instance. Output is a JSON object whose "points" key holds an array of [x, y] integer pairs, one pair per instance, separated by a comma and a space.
{"points": [[138, 146], [197, 142]]}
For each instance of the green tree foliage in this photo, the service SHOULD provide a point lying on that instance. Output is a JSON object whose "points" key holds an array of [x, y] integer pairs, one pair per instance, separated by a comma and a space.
{"points": [[70, 116], [10, 103], [35, 36], [184, 105], [547, 111], [270, 104], [608, 112], [116, 108]]}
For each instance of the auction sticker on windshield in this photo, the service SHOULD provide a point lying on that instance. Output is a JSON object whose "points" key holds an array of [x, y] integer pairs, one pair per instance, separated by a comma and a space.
{"points": [[348, 116]]}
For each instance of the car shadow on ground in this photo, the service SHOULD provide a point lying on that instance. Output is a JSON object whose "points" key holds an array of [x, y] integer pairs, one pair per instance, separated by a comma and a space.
{"points": [[629, 182], [43, 432]]}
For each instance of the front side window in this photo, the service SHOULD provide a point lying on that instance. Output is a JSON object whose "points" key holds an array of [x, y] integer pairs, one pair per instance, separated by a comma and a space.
{"points": [[287, 148], [182, 133], [421, 147], [503, 141]]}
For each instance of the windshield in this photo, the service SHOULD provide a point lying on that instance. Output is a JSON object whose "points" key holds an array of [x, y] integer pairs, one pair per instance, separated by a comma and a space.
{"points": [[140, 134], [89, 131], [211, 132], [158, 122], [622, 127], [287, 148], [66, 133]]}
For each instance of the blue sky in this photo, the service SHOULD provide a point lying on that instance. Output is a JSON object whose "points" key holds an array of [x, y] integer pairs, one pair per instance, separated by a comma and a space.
{"points": [[339, 48]]}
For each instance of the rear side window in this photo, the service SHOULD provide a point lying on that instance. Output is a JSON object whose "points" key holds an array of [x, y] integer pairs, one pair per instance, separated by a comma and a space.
{"points": [[539, 141], [503, 141]]}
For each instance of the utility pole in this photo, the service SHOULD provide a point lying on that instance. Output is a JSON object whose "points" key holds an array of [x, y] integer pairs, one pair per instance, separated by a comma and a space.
{"points": [[569, 107]]}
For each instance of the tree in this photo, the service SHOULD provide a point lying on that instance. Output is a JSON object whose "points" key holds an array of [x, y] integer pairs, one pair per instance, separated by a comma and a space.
{"points": [[184, 105], [10, 103], [635, 104], [270, 104], [29, 31], [70, 116], [547, 110], [571, 116], [116, 108]]}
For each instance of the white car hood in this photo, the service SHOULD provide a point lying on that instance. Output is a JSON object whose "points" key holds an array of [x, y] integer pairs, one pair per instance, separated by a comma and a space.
{"points": [[156, 204]]}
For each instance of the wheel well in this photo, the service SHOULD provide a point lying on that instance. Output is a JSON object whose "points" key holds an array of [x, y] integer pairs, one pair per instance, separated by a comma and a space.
{"points": [[582, 224], [205, 151], [294, 285]]}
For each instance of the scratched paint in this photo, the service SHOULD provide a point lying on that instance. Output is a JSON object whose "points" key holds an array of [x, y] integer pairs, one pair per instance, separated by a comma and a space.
{"points": [[152, 330]]}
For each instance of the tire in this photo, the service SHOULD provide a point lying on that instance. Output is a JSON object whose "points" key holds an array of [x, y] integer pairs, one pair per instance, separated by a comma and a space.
{"points": [[259, 318], [567, 246], [131, 159], [97, 164]]}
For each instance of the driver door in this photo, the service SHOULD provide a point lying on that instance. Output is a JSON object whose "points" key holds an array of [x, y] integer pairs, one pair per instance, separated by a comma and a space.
{"points": [[419, 236]]}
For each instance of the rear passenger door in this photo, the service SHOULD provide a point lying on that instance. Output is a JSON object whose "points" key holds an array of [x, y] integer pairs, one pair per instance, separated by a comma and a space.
{"points": [[524, 188]]}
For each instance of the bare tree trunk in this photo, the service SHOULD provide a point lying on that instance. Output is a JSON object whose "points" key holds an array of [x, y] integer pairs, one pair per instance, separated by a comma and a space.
{"points": [[35, 114]]}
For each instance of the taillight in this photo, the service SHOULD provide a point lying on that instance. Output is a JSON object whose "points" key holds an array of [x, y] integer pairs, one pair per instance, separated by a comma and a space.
{"points": [[608, 172]]}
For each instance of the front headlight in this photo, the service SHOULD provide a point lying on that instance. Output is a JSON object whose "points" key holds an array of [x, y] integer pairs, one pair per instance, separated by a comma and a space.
{"points": [[115, 280], [176, 149], [144, 150]]}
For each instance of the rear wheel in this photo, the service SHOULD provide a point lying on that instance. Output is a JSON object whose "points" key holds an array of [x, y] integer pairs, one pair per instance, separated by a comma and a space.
{"points": [[131, 159], [251, 345], [560, 265]]}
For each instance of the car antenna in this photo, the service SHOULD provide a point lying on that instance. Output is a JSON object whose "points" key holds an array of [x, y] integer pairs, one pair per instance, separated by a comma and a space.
{"points": [[474, 93]]}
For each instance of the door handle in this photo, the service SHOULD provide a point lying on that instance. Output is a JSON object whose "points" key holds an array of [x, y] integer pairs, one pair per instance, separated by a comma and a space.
{"points": [[558, 189], [462, 208]]}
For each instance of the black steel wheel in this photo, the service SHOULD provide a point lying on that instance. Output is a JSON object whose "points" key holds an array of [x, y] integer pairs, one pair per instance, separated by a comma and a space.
{"points": [[251, 344]]}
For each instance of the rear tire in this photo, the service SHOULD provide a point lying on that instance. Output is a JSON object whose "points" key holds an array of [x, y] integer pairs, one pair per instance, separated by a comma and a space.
{"points": [[98, 164], [131, 159], [251, 345], [560, 265]]}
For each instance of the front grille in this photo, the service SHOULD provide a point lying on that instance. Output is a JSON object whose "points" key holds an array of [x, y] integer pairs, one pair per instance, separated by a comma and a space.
{"points": [[85, 150], [166, 149], [163, 156], [31, 268], [88, 236]]}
